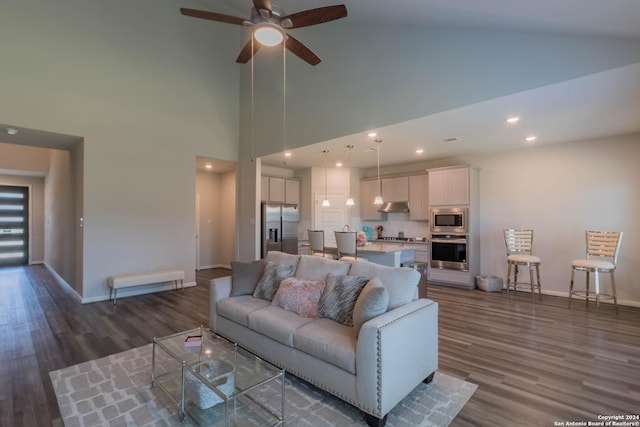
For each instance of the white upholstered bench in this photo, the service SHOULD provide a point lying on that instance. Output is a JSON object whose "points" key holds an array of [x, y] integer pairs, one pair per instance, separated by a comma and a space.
{"points": [[128, 280]]}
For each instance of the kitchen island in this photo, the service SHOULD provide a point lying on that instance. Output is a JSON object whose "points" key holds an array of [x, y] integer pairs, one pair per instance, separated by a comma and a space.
{"points": [[385, 254]]}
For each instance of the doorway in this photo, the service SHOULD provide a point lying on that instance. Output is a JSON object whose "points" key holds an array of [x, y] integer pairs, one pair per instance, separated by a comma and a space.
{"points": [[331, 218], [14, 225]]}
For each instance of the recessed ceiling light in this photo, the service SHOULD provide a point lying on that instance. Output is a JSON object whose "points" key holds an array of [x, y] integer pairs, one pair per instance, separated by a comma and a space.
{"points": [[288, 154], [208, 166], [513, 119], [419, 151], [531, 138], [11, 131], [339, 164], [372, 134]]}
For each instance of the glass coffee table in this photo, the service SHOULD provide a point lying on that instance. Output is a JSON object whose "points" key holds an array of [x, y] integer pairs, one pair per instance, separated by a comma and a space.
{"points": [[217, 382]]}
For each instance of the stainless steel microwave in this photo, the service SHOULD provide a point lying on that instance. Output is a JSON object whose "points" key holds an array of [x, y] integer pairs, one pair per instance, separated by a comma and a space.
{"points": [[449, 220]]}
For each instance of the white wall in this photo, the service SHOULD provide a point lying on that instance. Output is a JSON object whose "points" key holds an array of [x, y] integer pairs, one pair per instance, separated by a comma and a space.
{"points": [[560, 191], [60, 226], [148, 89]]}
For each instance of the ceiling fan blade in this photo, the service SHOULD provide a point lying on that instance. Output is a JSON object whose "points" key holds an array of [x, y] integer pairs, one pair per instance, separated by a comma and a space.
{"points": [[301, 51], [262, 5], [246, 54], [212, 16], [314, 16]]}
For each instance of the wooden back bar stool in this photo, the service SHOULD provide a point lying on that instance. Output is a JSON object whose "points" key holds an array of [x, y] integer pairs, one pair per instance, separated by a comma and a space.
{"points": [[519, 244], [602, 257]]}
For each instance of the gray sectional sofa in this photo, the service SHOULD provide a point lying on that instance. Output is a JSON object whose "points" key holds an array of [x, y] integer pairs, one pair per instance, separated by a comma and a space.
{"points": [[391, 347]]}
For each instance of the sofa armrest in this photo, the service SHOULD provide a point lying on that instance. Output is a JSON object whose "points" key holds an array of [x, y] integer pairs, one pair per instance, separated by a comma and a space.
{"points": [[395, 352], [220, 288]]}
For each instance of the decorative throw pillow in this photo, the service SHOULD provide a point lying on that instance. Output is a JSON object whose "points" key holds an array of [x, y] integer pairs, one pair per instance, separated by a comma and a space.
{"points": [[245, 277], [273, 275], [300, 296], [339, 297], [372, 302]]}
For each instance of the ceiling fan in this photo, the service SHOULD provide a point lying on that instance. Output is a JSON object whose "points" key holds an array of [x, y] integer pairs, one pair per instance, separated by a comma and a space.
{"points": [[270, 24]]}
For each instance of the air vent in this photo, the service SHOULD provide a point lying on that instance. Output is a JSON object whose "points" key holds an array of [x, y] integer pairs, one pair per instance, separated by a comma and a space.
{"points": [[450, 140]]}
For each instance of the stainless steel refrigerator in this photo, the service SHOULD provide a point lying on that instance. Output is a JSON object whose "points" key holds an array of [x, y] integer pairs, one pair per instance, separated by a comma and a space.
{"points": [[279, 228]]}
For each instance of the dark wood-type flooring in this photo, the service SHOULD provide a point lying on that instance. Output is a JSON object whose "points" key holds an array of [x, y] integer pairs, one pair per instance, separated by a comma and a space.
{"points": [[534, 364]]}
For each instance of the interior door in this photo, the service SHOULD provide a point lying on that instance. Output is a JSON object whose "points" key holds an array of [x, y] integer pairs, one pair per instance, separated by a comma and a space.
{"points": [[14, 225], [332, 218]]}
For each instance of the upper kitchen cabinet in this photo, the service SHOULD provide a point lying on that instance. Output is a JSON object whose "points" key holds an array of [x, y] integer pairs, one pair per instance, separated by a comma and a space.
{"points": [[368, 192], [280, 190], [449, 186], [395, 189], [264, 188], [292, 192], [276, 190], [418, 198]]}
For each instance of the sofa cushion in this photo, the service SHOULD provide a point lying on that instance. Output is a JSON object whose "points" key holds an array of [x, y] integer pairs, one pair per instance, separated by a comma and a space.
{"points": [[400, 282], [283, 258], [316, 268], [245, 276], [339, 298], [299, 296], [238, 308], [276, 323], [372, 302], [329, 341], [270, 280]]}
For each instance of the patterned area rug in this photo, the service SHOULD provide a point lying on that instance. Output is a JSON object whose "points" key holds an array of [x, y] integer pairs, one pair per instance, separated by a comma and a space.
{"points": [[116, 391]]}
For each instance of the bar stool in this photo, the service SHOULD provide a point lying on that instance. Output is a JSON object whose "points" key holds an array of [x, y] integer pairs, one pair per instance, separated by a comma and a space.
{"points": [[316, 241], [519, 244], [347, 244], [604, 246]]}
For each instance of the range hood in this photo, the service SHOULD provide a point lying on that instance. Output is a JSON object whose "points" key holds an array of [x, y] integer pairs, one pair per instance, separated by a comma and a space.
{"points": [[394, 207]]}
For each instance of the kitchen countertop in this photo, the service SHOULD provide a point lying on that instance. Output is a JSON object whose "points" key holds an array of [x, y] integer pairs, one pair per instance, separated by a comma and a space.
{"points": [[400, 242]]}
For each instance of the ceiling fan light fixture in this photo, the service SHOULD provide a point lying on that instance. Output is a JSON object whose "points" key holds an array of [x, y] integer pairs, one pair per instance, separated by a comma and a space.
{"points": [[268, 34]]}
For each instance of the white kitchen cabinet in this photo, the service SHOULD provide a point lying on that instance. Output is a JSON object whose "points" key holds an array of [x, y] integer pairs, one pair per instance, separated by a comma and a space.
{"points": [[292, 191], [418, 198], [279, 190], [395, 189], [368, 193], [449, 187], [276, 190], [264, 188]]}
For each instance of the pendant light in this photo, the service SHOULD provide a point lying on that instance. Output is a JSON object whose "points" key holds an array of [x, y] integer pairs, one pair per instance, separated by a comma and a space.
{"points": [[325, 202], [378, 199], [350, 201]]}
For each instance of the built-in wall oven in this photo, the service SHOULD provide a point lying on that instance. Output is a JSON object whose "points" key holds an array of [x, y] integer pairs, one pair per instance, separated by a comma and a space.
{"points": [[449, 220], [449, 251]]}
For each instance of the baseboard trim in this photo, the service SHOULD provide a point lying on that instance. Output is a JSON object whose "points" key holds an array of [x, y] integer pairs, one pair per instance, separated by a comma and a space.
{"points": [[62, 282]]}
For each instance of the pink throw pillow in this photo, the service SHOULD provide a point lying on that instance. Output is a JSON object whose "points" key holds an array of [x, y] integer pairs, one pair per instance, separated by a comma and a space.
{"points": [[300, 296]]}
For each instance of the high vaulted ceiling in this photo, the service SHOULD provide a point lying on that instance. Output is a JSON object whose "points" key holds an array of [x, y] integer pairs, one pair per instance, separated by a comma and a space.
{"points": [[594, 106]]}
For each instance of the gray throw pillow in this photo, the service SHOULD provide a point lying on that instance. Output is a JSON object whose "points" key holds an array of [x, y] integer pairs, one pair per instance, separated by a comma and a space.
{"points": [[372, 302], [270, 281], [245, 277], [339, 297]]}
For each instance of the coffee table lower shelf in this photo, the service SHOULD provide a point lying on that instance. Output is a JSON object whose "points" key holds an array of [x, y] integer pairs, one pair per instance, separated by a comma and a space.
{"points": [[243, 410], [218, 383]]}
